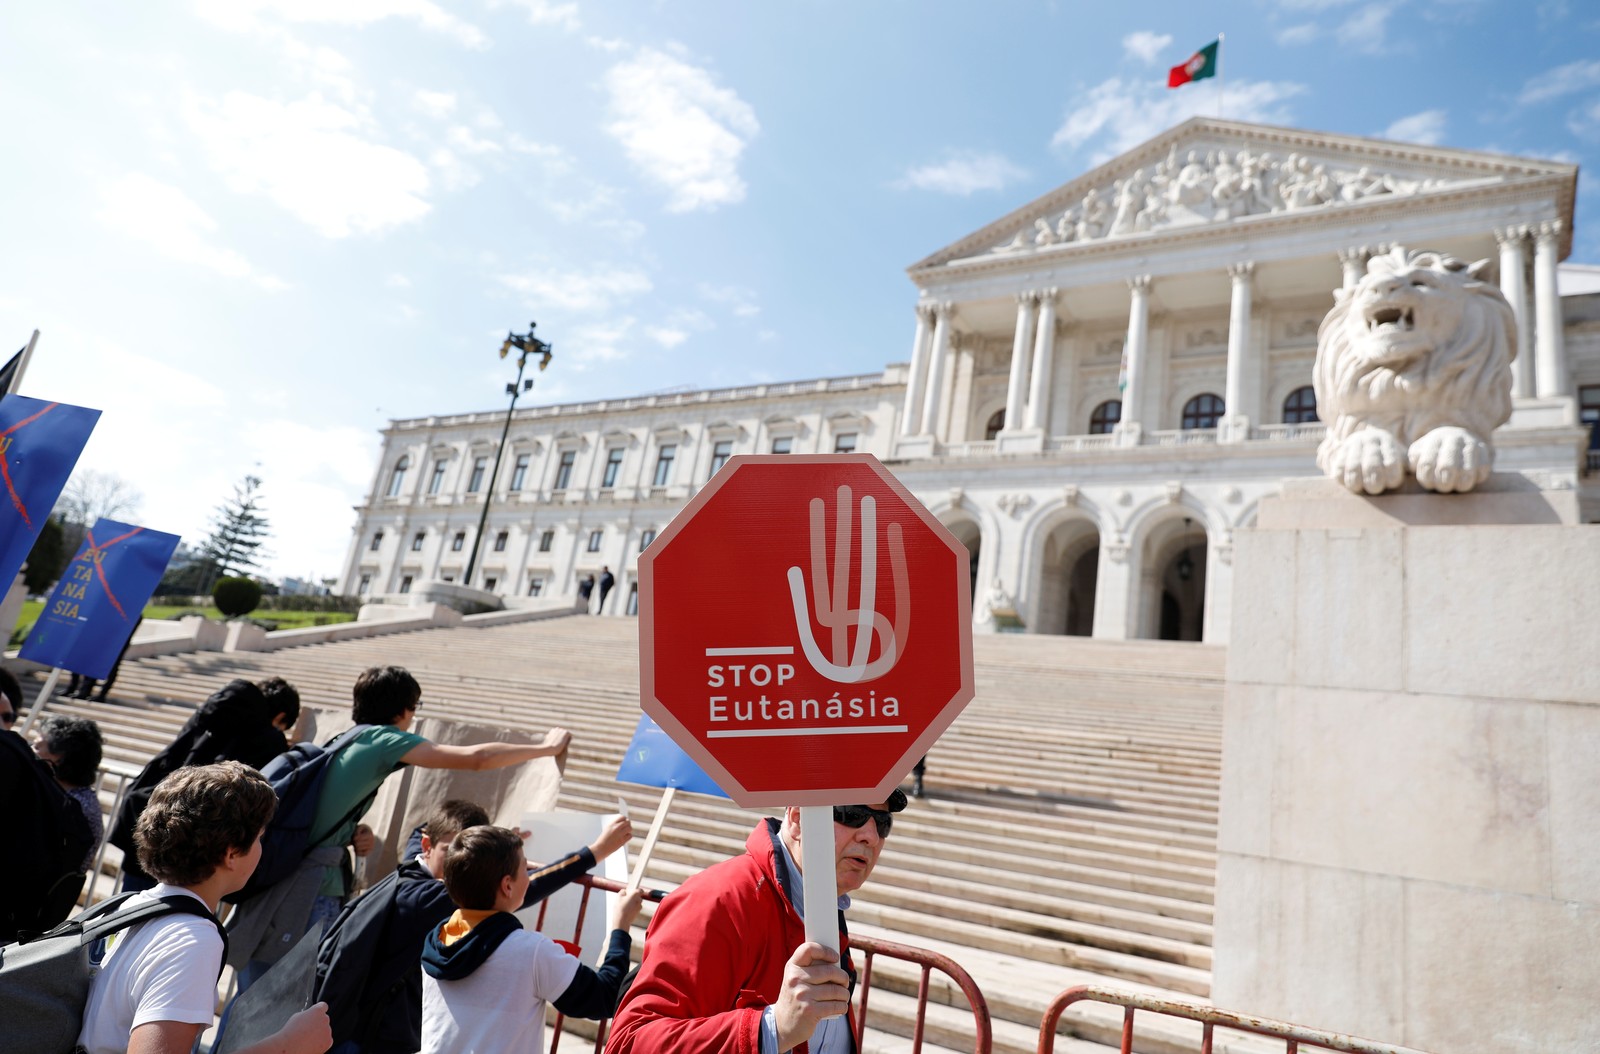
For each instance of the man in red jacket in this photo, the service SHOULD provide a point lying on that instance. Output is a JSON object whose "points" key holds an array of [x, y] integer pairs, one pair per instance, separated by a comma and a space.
{"points": [[726, 967]]}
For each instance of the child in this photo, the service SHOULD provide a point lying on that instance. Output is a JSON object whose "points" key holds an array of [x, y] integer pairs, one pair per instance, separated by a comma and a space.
{"points": [[155, 992], [486, 979]]}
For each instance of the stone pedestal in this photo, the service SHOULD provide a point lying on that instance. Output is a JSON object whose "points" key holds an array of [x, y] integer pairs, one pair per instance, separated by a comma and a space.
{"points": [[1408, 844]]}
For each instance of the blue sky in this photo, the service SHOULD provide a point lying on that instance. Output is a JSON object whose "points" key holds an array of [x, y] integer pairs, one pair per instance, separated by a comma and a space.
{"points": [[252, 231]]}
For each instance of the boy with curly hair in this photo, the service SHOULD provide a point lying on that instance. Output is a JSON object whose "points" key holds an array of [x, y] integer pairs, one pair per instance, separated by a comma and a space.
{"points": [[156, 988]]}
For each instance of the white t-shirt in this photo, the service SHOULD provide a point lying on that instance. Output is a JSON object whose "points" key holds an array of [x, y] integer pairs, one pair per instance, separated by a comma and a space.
{"points": [[161, 970], [499, 1007]]}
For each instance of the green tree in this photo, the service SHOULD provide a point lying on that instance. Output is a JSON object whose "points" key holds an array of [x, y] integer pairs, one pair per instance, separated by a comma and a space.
{"points": [[239, 529], [47, 557], [236, 596]]}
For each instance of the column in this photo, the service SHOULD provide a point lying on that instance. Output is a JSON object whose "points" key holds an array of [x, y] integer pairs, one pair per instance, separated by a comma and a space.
{"points": [[936, 362], [1354, 262], [1027, 307], [1514, 284], [1044, 348], [918, 373], [1550, 355], [1133, 353], [1235, 422]]}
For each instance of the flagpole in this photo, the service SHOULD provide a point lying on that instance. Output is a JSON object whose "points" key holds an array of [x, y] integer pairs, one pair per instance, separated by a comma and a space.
{"points": [[22, 367], [1219, 76]]}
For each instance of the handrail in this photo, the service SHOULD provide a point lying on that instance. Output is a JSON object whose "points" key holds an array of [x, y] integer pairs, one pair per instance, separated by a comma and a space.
{"points": [[983, 1035], [1210, 1018], [590, 883]]}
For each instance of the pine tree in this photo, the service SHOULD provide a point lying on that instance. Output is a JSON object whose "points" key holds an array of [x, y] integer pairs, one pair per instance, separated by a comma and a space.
{"points": [[238, 530]]}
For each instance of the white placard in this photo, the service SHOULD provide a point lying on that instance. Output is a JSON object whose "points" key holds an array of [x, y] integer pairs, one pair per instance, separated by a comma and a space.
{"points": [[555, 834]]}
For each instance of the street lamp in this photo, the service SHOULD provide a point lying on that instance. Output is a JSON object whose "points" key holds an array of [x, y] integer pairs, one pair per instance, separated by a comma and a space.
{"points": [[526, 344]]}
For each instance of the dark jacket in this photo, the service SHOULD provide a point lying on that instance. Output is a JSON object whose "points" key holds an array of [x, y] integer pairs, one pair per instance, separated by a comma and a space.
{"points": [[46, 839], [368, 964], [235, 724]]}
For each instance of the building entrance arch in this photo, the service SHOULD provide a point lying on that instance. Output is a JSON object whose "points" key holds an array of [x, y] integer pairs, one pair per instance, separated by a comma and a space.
{"points": [[1069, 567], [969, 534], [1172, 587]]}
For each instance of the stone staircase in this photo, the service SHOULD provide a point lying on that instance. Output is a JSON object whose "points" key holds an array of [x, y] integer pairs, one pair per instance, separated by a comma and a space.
{"points": [[1068, 835]]}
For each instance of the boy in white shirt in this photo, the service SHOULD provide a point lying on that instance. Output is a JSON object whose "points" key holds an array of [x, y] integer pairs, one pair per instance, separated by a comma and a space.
{"points": [[156, 990], [486, 979]]}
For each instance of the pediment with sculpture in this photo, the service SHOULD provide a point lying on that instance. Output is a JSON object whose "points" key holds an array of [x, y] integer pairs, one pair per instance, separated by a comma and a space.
{"points": [[1187, 188]]}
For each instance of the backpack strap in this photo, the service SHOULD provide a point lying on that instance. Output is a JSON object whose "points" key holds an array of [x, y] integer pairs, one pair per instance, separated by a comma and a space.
{"points": [[110, 917], [334, 746]]}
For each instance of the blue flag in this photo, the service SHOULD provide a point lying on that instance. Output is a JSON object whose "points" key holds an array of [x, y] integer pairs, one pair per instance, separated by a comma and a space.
{"points": [[39, 444], [654, 760], [93, 609]]}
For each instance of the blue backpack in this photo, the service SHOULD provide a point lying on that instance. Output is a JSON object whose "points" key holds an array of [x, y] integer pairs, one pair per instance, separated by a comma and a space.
{"points": [[297, 776]]}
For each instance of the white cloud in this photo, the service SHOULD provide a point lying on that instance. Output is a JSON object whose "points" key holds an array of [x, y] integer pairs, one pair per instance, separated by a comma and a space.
{"points": [[680, 129], [666, 336], [248, 14], [314, 160], [1426, 128], [1304, 33], [964, 172], [397, 281], [1312, 5], [469, 142], [1585, 121], [547, 13], [739, 300], [1367, 30], [583, 291], [168, 221], [435, 103], [1117, 115], [1145, 45], [598, 342], [607, 44], [1563, 80]]}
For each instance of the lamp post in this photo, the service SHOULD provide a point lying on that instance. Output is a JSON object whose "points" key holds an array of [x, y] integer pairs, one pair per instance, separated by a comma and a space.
{"points": [[526, 344]]}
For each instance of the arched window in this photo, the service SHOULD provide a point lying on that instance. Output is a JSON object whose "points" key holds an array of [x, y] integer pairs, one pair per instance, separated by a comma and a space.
{"points": [[997, 421], [1105, 417], [397, 478], [1301, 407], [1202, 411]]}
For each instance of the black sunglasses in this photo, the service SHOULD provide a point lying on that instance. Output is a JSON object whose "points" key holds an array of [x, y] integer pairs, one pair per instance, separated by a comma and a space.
{"points": [[854, 816]]}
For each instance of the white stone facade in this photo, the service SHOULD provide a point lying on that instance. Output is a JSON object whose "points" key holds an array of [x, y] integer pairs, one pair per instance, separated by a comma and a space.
{"points": [[1197, 314]]}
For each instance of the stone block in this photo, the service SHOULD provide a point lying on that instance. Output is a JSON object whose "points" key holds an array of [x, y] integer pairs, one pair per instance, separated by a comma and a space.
{"points": [[1573, 738], [1491, 973], [1262, 644], [1347, 611], [1504, 498], [1249, 765], [1422, 787], [1316, 946]]}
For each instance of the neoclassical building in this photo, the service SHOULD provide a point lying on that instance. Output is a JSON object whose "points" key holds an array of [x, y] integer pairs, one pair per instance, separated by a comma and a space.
{"points": [[1102, 386]]}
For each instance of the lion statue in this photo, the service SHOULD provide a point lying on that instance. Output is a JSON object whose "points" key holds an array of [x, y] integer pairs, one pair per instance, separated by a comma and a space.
{"points": [[1414, 370]]}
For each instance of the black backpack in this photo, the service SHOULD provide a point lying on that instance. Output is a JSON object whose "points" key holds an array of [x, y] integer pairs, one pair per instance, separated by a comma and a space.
{"points": [[48, 837], [45, 979], [297, 776]]}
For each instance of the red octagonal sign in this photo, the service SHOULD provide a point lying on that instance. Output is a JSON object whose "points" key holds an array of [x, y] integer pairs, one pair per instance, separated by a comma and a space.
{"points": [[805, 629]]}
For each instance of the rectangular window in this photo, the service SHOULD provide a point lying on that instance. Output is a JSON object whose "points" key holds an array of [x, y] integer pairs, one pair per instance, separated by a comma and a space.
{"points": [[417, 540], [365, 584], [633, 599], [479, 467], [720, 454], [844, 443], [458, 541], [490, 583], [595, 539], [519, 471], [646, 538], [436, 480], [664, 460], [546, 540], [1589, 414], [782, 445], [535, 586], [405, 584], [613, 466], [500, 541], [564, 469], [377, 541]]}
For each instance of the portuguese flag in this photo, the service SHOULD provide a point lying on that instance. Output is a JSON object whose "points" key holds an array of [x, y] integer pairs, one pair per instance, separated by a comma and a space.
{"points": [[1196, 67]]}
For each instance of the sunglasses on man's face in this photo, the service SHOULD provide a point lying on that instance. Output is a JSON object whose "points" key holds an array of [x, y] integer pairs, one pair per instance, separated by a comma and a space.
{"points": [[855, 816]]}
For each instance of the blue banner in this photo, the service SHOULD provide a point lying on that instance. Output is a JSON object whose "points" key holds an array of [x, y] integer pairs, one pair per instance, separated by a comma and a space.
{"points": [[39, 444], [101, 595], [654, 760]]}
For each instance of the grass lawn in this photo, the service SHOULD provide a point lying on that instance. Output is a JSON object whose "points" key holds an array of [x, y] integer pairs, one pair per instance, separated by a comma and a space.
{"points": [[282, 619]]}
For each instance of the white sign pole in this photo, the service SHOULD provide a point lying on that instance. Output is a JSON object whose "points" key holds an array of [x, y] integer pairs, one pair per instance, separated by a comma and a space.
{"points": [[22, 367], [817, 870], [650, 839], [40, 701]]}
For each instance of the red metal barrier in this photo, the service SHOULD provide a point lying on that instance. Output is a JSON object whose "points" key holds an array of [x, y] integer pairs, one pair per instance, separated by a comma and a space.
{"points": [[1295, 1037], [871, 947], [868, 947]]}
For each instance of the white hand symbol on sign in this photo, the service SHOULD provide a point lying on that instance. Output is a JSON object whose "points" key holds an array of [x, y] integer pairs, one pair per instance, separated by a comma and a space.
{"points": [[832, 609]]}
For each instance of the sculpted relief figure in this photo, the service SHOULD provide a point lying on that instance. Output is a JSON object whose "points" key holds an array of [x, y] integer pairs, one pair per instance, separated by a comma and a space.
{"points": [[1413, 373]]}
